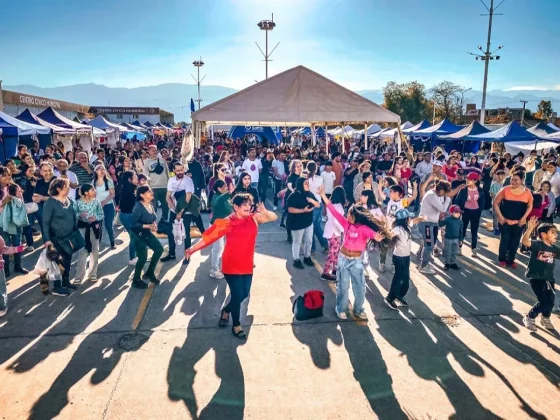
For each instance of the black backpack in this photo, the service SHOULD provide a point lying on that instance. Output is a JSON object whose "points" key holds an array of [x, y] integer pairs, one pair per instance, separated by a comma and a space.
{"points": [[309, 306], [158, 168]]}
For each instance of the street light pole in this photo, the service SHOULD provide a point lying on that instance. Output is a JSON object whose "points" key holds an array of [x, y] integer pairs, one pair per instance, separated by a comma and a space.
{"points": [[198, 64], [266, 25], [487, 56]]}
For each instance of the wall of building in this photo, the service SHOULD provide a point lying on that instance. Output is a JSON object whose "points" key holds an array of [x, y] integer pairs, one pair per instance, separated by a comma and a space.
{"points": [[15, 110]]}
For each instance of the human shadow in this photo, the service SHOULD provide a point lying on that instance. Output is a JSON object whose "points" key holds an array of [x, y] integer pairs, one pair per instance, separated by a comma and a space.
{"points": [[503, 320], [369, 368], [204, 298], [426, 346], [33, 316]]}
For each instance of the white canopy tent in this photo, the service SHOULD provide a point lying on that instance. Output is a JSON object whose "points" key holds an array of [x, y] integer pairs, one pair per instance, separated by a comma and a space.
{"points": [[372, 129], [394, 131], [24, 128], [296, 97], [526, 147]]}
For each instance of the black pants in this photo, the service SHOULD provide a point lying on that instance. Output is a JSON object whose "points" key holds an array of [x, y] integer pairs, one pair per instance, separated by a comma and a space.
{"points": [[472, 217], [510, 236], [263, 188], [277, 188], [545, 294], [198, 222], [401, 279], [66, 261], [239, 289]]}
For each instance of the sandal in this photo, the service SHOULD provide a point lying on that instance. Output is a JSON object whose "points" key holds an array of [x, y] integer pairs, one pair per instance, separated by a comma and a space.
{"points": [[240, 334], [223, 321]]}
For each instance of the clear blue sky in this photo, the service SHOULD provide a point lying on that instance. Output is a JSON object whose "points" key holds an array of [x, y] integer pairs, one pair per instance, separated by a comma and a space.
{"points": [[361, 44]]}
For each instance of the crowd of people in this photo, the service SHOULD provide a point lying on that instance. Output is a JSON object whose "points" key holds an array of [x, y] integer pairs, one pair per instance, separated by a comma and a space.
{"points": [[360, 205]]}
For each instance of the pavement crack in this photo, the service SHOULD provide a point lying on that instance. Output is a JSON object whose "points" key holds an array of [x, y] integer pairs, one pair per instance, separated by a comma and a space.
{"points": [[106, 409]]}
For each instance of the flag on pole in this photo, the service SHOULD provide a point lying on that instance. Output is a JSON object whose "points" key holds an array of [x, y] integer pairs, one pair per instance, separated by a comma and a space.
{"points": [[192, 105]]}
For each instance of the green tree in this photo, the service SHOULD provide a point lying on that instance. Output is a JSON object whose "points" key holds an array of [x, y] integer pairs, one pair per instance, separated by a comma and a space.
{"points": [[447, 97], [407, 100], [544, 110]]}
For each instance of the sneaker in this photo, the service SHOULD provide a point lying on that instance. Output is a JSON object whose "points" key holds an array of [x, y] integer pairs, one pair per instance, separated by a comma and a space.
{"points": [[77, 282], [217, 275], [391, 304], [3, 312], [460, 251], [30, 249], [502, 264], [402, 301], [427, 270], [139, 284], [133, 261], [342, 315], [474, 253], [446, 267], [61, 291], [169, 257], [93, 279], [362, 315], [381, 267], [298, 264], [454, 267], [328, 277], [496, 232], [530, 323], [545, 322], [513, 265], [308, 261], [275, 208], [151, 277], [68, 285]]}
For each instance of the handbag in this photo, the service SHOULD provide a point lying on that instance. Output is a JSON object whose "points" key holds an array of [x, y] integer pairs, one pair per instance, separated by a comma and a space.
{"points": [[309, 306], [31, 207], [72, 243]]}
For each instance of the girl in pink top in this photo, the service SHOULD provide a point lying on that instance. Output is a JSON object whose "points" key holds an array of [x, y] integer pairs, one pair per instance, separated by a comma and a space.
{"points": [[359, 228]]}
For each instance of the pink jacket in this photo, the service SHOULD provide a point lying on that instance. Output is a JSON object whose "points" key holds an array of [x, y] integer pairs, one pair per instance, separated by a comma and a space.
{"points": [[356, 236]]}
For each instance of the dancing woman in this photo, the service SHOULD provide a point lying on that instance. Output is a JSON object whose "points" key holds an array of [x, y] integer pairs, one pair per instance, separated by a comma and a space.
{"points": [[240, 230]]}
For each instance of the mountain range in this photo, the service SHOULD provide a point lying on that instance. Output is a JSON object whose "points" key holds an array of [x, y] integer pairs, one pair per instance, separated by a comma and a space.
{"points": [[175, 97]]}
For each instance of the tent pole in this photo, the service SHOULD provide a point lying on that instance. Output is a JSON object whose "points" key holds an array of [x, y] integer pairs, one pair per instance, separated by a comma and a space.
{"points": [[326, 139], [365, 137]]}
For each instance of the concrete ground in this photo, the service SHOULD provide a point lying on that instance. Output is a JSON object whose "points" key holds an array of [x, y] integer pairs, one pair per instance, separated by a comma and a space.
{"points": [[113, 352]]}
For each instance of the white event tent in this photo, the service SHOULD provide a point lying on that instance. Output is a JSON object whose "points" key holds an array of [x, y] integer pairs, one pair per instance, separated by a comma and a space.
{"points": [[298, 97]]}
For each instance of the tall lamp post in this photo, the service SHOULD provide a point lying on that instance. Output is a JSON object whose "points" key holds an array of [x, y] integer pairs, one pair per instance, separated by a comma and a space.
{"points": [[266, 26], [198, 64], [487, 55]]}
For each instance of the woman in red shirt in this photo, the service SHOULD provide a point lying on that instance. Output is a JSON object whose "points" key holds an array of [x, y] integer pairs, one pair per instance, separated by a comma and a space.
{"points": [[240, 230], [450, 169]]}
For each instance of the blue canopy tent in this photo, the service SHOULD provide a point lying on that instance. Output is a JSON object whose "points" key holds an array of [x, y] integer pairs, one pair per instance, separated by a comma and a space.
{"points": [[138, 124], [306, 131], [12, 129], [417, 144], [541, 129], [44, 139], [512, 132], [443, 127], [148, 124], [456, 141], [419, 126], [272, 135]]}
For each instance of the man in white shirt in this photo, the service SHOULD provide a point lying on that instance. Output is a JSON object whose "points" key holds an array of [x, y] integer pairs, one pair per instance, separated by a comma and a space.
{"points": [[424, 167], [62, 171], [329, 178], [252, 166], [180, 187], [279, 170]]}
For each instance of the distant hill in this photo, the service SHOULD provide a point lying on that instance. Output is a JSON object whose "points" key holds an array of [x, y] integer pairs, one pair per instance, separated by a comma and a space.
{"points": [[175, 97]]}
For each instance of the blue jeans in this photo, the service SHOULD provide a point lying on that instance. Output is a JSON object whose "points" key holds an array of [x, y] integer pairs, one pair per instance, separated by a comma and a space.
{"points": [[108, 219], [239, 289], [350, 270], [318, 228], [126, 220], [429, 237], [12, 240]]}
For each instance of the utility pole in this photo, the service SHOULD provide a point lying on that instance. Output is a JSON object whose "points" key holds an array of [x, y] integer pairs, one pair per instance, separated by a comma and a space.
{"points": [[266, 25], [198, 64], [487, 55], [523, 112]]}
